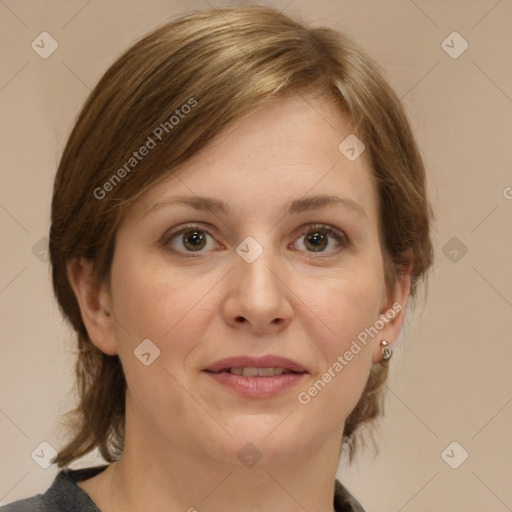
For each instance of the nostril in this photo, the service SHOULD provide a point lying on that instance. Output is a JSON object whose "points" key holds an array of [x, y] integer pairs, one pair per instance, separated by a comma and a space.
{"points": [[240, 319]]}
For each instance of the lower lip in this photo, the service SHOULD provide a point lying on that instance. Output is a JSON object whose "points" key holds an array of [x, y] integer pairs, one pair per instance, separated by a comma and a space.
{"points": [[257, 387]]}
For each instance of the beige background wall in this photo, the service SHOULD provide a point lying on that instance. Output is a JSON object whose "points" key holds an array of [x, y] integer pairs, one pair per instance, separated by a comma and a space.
{"points": [[451, 375]]}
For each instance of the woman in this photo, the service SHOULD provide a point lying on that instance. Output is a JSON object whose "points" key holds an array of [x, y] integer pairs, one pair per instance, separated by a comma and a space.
{"points": [[238, 221]]}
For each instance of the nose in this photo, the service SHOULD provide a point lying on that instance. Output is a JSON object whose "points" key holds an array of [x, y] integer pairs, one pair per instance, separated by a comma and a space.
{"points": [[258, 297]]}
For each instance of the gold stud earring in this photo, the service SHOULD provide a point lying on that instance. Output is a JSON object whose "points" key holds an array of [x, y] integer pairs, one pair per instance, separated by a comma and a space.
{"points": [[386, 351]]}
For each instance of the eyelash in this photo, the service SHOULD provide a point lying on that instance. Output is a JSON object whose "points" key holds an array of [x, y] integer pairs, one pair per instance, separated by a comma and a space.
{"points": [[339, 236]]}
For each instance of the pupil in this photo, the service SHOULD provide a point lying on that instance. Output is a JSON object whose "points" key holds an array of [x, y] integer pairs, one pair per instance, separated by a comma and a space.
{"points": [[317, 241], [194, 240]]}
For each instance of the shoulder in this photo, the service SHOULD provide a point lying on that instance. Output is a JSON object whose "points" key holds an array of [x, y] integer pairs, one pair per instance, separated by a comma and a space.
{"points": [[62, 496], [34, 504], [344, 501]]}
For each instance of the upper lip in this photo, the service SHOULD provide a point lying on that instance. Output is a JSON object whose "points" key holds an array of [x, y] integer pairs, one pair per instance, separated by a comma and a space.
{"points": [[267, 361]]}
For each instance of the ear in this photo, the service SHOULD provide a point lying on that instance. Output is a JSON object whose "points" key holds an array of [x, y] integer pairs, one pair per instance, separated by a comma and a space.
{"points": [[392, 310], [95, 303]]}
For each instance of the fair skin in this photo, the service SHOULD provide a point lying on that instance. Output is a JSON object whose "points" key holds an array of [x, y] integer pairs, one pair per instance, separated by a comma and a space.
{"points": [[183, 428]]}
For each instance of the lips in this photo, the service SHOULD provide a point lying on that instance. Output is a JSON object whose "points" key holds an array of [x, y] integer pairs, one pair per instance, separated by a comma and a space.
{"points": [[263, 366], [257, 378]]}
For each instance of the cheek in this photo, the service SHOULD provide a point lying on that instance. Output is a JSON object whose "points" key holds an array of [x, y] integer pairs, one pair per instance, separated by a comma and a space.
{"points": [[347, 307], [167, 307], [156, 302]]}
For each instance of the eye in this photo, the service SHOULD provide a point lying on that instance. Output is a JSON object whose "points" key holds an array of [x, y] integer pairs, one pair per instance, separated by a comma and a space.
{"points": [[190, 239], [321, 238]]}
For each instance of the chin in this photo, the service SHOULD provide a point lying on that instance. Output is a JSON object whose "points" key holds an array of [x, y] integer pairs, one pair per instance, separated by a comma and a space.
{"points": [[264, 441]]}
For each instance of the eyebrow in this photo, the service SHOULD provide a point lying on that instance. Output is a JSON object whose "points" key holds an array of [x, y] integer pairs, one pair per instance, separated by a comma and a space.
{"points": [[211, 204], [319, 201], [219, 207]]}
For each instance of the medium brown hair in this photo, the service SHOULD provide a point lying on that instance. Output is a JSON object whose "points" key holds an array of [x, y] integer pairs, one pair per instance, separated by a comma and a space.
{"points": [[223, 63]]}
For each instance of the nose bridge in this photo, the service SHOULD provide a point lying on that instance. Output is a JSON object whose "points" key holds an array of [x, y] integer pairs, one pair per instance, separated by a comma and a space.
{"points": [[258, 294], [258, 265]]}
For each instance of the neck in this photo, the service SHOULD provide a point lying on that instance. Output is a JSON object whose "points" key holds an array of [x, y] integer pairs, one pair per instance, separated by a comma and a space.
{"points": [[151, 477]]}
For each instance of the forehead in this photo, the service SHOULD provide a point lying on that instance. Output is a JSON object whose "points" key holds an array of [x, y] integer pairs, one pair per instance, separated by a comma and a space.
{"points": [[278, 153]]}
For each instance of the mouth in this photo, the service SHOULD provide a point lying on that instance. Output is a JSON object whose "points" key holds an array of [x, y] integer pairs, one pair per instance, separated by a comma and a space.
{"points": [[252, 371], [261, 366], [257, 377]]}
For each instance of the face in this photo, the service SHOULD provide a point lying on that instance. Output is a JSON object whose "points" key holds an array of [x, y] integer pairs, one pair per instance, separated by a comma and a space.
{"points": [[264, 247]]}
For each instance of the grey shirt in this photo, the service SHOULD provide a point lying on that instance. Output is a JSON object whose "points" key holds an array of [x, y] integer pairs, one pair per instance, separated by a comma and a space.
{"points": [[64, 495]]}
